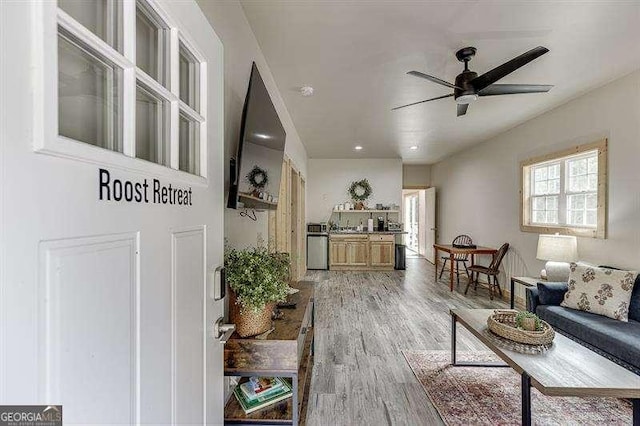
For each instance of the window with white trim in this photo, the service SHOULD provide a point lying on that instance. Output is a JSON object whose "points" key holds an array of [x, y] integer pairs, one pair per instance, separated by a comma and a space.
{"points": [[566, 192], [130, 82]]}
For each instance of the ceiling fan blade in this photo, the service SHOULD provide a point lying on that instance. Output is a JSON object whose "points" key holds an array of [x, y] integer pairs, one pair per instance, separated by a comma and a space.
{"points": [[421, 102], [513, 89], [462, 109], [498, 72], [433, 79]]}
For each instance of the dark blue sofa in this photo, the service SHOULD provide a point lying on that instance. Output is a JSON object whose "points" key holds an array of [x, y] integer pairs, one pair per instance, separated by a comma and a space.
{"points": [[619, 341]]}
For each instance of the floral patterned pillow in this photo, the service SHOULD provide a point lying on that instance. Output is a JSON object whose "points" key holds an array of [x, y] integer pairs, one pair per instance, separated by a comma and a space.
{"points": [[600, 291]]}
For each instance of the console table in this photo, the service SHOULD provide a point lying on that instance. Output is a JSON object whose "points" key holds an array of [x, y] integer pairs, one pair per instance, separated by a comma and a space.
{"points": [[286, 352]]}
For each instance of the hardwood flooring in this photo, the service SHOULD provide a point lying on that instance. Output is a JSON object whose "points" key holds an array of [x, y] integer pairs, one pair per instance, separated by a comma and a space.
{"points": [[363, 320]]}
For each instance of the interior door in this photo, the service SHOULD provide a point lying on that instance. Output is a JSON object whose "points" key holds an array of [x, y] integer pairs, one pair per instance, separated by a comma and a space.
{"points": [[105, 303], [430, 212]]}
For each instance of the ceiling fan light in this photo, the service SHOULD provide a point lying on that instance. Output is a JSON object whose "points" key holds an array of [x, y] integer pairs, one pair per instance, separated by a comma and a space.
{"points": [[466, 99]]}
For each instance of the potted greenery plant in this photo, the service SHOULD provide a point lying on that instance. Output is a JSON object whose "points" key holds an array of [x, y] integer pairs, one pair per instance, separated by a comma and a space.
{"points": [[257, 280]]}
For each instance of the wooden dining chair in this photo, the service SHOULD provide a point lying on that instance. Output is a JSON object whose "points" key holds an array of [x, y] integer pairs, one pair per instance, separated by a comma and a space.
{"points": [[463, 240], [491, 271]]}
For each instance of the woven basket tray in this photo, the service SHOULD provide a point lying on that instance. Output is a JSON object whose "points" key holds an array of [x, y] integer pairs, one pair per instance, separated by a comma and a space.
{"points": [[503, 323]]}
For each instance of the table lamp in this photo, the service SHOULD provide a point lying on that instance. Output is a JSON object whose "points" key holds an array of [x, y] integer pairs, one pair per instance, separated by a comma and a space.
{"points": [[558, 251]]}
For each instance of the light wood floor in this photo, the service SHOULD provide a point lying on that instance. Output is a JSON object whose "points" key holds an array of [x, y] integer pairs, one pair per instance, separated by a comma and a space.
{"points": [[363, 321]]}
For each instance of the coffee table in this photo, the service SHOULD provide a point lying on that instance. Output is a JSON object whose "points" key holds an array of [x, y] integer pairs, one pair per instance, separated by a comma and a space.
{"points": [[565, 369]]}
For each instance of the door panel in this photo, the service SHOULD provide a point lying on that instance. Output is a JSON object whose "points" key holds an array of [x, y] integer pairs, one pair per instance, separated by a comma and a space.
{"points": [[188, 291], [88, 305]]}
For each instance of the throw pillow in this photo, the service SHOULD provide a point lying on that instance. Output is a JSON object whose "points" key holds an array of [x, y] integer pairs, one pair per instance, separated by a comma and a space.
{"points": [[600, 291], [551, 293]]}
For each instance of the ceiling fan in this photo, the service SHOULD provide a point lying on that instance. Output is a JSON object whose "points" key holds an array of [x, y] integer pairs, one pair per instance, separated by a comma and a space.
{"points": [[469, 85]]}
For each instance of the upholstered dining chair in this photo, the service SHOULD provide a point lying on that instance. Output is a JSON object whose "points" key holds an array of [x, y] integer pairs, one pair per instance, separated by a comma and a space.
{"points": [[463, 240], [491, 271]]}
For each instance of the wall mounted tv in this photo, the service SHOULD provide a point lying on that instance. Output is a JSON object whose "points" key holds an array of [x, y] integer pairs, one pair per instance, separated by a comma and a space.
{"points": [[256, 169]]}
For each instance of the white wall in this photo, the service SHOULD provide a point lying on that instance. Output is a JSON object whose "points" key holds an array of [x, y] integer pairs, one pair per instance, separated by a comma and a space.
{"points": [[240, 49], [478, 188], [416, 175], [330, 179]]}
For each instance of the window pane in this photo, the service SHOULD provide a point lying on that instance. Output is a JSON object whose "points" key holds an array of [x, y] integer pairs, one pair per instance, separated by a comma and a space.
{"points": [[551, 203], [98, 16], [151, 137], [539, 203], [541, 174], [592, 218], [592, 164], [592, 201], [552, 217], [554, 171], [578, 183], [89, 101], [575, 202], [576, 217], [189, 78], [151, 47], [554, 186], [541, 187], [539, 216], [189, 143], [592, 182], [577, 167]]}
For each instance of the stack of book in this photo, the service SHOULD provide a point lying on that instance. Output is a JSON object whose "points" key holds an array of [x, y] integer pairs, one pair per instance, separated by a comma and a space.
{"points": [[260, 392]]}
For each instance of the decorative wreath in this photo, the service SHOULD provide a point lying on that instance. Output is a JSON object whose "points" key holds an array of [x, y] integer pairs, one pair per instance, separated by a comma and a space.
{"points": [[360, 190], [257, 177]]}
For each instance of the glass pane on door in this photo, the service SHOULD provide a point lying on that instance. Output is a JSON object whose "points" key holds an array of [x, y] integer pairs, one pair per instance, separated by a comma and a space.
{"points": [[101, 17], [151, 124], [189, 78], [189, 145], [89, 100], [151, 46]]}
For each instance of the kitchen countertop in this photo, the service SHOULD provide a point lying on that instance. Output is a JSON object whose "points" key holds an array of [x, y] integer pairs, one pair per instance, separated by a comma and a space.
{"points": [[366, 232]]}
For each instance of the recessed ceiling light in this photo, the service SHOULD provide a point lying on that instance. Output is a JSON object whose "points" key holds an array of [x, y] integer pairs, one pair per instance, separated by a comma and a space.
{"points": [[306, 91], [358, 148], [414, 147], [262, 136]]}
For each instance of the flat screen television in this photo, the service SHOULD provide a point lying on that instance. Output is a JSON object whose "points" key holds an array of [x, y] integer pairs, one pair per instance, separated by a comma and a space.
{"points": [[256, 169]]}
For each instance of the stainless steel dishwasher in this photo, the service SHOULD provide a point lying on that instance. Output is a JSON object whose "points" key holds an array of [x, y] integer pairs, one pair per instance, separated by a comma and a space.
{"points": [[317, 250]]}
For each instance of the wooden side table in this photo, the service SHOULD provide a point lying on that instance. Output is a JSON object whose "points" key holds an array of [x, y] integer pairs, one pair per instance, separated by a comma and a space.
{"points": [[525, 281]]}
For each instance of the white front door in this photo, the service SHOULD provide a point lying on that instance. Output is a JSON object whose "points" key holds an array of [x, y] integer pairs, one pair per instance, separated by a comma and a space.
{"points": [[105, 258], [430, 212]]}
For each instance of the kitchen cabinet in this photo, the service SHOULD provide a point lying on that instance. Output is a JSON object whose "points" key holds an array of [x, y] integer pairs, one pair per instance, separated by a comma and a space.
{"points": [[358, 253], [338, 253], [361, 252], [382, 254]]}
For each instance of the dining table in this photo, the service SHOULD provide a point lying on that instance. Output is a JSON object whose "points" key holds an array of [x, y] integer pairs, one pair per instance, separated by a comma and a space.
{"points": [[455, 250]]}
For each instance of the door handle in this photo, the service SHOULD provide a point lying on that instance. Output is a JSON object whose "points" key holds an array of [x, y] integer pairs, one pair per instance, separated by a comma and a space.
{"points": [[222, 331], [218, 287]]}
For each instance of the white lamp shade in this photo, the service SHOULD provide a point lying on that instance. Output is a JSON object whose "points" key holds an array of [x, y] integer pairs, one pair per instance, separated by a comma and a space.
{"points": [[557, 248]]}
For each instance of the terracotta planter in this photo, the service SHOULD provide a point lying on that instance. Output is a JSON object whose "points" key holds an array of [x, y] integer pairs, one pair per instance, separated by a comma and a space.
{"points": [[248, 322]]}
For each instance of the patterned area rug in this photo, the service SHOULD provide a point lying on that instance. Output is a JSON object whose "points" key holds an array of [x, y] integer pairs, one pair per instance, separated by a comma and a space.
{"points": [[491, 396]]}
